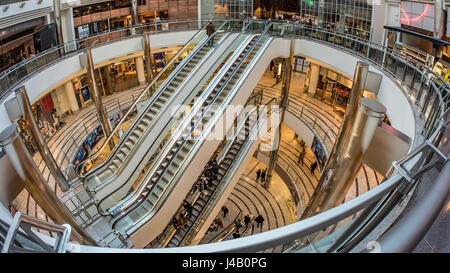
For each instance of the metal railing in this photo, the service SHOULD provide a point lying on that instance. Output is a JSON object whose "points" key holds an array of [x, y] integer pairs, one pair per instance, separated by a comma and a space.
{"points": [[320, 233], [17, 73]]}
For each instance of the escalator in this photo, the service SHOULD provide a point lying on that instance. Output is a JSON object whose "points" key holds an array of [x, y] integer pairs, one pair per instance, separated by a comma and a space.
{"points": [[158, 146], [224, 165], [158, 184], [138, 132]]}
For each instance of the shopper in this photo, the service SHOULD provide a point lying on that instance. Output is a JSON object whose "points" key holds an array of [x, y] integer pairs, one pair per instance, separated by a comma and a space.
{"points": [[225, 211], [258, 174], [182, 220], [175, 223], [210, 29], [237, 224], [259, 220], [188, 208], [301, 156], [247, 219], [313, 167], [219, 223], [236, 235], [263, 175]]}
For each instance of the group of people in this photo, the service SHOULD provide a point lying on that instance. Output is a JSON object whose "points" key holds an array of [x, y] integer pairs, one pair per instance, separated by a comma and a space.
{"points": [[209, 174], [301, 157], [181, 220], [260, 173]]}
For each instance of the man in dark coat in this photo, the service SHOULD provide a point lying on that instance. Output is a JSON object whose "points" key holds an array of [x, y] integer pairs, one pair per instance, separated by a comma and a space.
{"points": [[210, 29]]}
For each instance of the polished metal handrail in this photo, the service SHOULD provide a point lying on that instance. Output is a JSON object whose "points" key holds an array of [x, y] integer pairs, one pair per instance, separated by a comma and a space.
{"points": [[131, 109], [313, 224], [148, 104], [165, 192], [186, 119]]}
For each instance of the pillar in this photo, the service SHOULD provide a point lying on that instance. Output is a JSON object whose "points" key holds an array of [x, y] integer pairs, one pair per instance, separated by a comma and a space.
{"points": [[96, 96], [50, 162], [140, 72], [348, 123], [288, 62], [134, 12], [313, 79], [35, 183], [349, 158], [57, 19], [71, 97], [68, 28], [148, 58], [438, 18]]}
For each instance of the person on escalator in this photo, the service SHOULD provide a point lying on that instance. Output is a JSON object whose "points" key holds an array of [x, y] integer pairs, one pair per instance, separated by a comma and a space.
{"points": [[210, 29], [188, 208], [182, 220]]}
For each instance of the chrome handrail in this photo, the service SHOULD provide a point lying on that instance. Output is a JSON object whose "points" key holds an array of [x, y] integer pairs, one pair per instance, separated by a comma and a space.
{"points": [[223, 86], [177, 133], [151, 100], [131, 109]]}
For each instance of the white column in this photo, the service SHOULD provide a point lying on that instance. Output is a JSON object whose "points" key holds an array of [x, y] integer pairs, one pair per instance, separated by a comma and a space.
{"points": [[71, 97], [140, 72], [67, 27], [313, 80]]}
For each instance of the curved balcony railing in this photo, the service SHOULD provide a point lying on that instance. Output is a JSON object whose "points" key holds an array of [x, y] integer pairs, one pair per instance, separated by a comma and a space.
{"points": [[15, 74]]}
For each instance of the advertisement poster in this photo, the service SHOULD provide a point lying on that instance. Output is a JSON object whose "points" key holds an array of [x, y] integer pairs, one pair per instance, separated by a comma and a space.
{"points": [[85, 93], [319, 152]]}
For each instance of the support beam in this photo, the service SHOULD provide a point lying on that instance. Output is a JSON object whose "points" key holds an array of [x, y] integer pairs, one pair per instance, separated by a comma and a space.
{"points": [[148, 59], [140, 71], [313, 79], [356, 93], [71, 97], [36, 185], [57, 19], [96, 97], [50, 162], [288, 62]]}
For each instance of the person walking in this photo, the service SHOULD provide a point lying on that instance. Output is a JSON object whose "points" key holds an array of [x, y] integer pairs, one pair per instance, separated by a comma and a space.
{"points": [[263, 176], [259, 220], [225, 211], [258, 174], [219, 223], [237, 224], [301, 156], [313, 167], [247, 219], [210, 29]]}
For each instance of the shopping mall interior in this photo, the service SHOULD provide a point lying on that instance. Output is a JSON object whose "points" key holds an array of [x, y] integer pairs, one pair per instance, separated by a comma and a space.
{"points": [[257, 126]]}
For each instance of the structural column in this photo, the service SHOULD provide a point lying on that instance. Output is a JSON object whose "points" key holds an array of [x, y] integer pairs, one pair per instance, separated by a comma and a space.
{"points": [[148, 58], [68, 29], [359, 80], [96, 97], [140, 71], [288, 62], [71, 97], [313, 79], [35, 183], [50, 162], [349, 159]]}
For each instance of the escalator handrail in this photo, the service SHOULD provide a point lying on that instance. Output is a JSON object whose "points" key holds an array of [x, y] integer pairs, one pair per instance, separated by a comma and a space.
{"points": [[160, 112], [260, 111], [224, 84], [131, 200], [236, 131], [152, 99], [176, 135]]}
